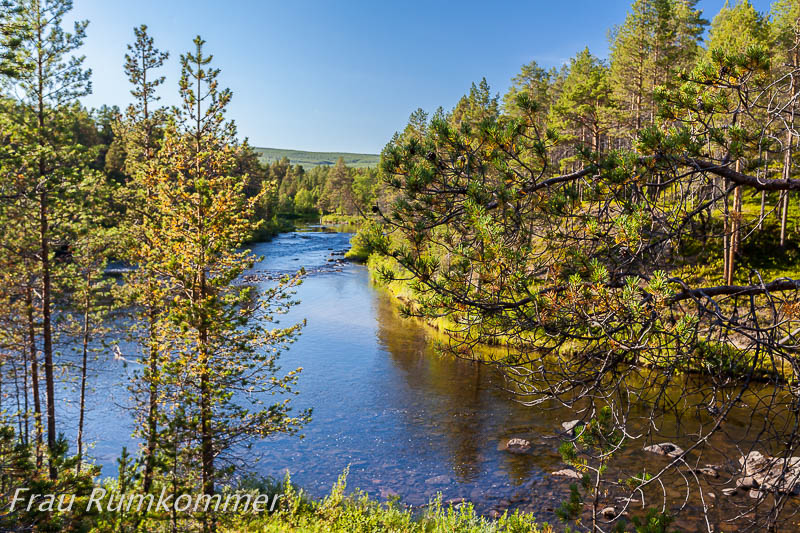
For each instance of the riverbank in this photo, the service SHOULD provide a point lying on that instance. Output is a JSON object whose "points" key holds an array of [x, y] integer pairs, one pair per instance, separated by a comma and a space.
{"points": [[358, 513], [709, 357]]}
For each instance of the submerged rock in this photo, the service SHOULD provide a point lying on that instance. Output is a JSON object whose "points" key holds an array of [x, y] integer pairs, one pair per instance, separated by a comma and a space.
{"points": [[771, 474], [566, 472], [515, 445], [388, 494], [609, 512], [665, 448], [708, 470]]}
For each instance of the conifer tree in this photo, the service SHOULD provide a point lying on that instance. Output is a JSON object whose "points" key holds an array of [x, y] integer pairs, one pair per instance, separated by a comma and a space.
{"points": [[222, 360], [53, 161], [735, 32], [784, 26], [583, 110], [337, 196], [479, 105], [658, 40], [137, 137]]}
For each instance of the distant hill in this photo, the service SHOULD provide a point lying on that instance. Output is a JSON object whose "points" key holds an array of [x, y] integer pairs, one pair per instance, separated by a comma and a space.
{"points": [[315, 159]]}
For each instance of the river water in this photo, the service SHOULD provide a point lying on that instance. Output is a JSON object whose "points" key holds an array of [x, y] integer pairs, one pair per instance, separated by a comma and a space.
{"points": [[406, 420]]}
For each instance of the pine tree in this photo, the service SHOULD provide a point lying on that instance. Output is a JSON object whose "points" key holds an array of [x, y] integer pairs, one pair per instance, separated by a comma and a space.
{"points": [[584, 108], [12, 33], [138, 136], [337, 196], [784, 26], [658, 40], [479, 105], [54, 161], [735, 32], [223, 358]]}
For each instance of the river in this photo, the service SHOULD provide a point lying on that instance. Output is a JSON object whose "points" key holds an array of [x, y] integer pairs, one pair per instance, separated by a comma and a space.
{"points": [[408, 421]]}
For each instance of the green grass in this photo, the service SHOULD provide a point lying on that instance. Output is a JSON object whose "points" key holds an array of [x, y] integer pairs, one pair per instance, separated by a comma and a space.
{"points": [[315, 159]]}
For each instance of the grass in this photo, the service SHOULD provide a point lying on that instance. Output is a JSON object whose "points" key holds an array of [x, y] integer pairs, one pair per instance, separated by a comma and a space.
{"points": [[316, 159]]}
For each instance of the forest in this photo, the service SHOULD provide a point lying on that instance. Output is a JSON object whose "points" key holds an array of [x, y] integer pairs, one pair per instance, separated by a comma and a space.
{"points": [[618, 236]]}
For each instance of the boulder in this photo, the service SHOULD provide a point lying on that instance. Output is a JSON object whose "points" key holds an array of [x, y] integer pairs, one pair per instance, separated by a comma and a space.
{"points": [[455, 502], [666, 448], [566, 472], [770, 474], [569, 427], [515, 445], [753, 462], [609, 512], [747, 482]]}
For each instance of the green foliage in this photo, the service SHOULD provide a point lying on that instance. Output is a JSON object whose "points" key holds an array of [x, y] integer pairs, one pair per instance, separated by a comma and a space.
{"points": [[653, 522], [357, 513], [22, 478], [571, 509]]}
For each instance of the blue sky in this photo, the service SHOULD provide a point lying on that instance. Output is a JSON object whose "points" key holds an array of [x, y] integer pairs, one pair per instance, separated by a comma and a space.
{"points": [[345, 75]]}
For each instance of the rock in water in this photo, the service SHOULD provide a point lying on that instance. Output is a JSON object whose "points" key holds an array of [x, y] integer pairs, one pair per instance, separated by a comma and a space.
{"points": [[771, 474], [566, 472], [609, 512], [666, 448], [707, 471], [569, 427], [516, 445]]}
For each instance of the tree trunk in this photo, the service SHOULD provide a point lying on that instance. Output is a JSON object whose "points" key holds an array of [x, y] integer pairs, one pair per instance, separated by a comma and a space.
{"points": [[44, 229], [47, 330], [83, 380], [784, 216], [735, 225], [152, 409], [787, 171], [37, 406]]}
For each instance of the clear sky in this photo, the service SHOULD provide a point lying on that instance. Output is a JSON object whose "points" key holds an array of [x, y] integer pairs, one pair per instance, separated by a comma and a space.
{"points": [[344, 75]]}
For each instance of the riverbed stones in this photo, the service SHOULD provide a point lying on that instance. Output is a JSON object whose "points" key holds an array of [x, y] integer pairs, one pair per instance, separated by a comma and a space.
{"points": [[771, 474], [747, 482], [569, 426], [665, 448], [729, 491], [609, 512], [515, 445], [566, 472], [455, 502], [708, 470]]}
